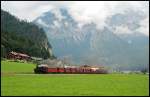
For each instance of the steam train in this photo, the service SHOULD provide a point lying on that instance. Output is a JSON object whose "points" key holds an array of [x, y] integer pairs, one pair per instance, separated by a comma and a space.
{"points": [[44, 69]]}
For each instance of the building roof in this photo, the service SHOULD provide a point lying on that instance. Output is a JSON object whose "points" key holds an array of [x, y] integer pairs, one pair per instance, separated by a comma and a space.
{"points": [[20, 54]]}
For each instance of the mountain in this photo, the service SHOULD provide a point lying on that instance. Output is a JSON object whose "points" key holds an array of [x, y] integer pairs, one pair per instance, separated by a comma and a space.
{"points": [[109, 46], [21, 36]]}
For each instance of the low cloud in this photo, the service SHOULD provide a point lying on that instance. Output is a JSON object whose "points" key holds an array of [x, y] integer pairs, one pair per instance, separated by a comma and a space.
{"points": [[98, 12], [30, 10], [122, 29], [144, 26], [82, 11]]}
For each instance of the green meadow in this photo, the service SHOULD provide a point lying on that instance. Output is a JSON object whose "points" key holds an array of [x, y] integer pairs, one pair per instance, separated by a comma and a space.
{"points": [[10, 66], [19, 79]]}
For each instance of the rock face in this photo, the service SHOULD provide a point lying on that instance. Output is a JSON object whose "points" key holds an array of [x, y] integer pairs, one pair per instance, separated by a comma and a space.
{"points": [[119, 42]]}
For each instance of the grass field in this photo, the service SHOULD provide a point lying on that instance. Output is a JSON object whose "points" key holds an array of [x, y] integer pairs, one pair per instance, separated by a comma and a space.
{"points": [[69, 84], [16, 67]]}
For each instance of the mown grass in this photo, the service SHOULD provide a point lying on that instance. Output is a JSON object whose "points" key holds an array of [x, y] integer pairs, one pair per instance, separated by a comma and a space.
{"points": [[10, 66], [74, 84]]}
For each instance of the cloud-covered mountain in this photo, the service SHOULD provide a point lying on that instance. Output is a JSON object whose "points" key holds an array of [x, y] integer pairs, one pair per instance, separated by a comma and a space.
{"points": [[118, 42]]}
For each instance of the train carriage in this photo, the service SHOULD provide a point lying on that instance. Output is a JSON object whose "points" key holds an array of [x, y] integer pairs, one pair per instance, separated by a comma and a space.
{"points": [[61, 70], [52, 70], [43, 68]]}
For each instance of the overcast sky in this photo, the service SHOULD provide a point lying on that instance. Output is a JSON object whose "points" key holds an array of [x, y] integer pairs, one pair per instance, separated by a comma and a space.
{"points": [[81, 11]]}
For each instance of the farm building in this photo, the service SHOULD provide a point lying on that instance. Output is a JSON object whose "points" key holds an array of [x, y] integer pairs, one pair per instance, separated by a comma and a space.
{"points": [[19, 56]]}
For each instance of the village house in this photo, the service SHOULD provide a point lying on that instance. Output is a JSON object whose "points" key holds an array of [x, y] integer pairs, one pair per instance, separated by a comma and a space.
{"points": [[19, 56]]}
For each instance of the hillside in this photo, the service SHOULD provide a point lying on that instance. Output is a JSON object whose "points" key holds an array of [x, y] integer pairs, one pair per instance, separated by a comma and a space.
{"points": [[22, 36]]}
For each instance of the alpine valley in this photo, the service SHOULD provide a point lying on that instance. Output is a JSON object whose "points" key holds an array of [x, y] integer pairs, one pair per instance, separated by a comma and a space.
{"points": [[87, 44]]}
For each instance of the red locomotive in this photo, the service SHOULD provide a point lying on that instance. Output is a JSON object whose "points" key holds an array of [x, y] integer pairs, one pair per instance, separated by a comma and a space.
{"points": [[69, 70]]}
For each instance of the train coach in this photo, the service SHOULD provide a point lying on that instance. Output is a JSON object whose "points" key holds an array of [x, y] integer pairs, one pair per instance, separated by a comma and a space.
{"points": [[75, 70]]}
